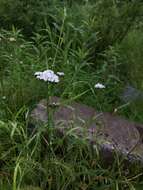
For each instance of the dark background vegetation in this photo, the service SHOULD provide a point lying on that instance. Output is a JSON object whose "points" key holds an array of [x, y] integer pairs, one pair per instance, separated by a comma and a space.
{"points": [[107, 35]]}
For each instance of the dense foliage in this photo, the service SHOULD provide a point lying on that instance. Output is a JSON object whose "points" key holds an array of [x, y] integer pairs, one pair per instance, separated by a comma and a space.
{"points": [[90, 41]]}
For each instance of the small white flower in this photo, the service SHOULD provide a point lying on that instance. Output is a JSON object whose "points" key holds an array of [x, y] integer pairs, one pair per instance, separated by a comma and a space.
{"points": [[0, 39], [47, 75], [12, 39], [99, 85], [4, 97], [21, 46], [38, 73], [115, 110], [60, 73]]}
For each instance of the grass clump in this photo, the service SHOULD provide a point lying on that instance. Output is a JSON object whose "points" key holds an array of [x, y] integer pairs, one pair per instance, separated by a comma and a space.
{"points": [[67, 162]]}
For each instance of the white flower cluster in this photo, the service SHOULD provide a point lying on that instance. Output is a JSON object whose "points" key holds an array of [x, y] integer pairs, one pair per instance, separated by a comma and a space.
{"points": [[49, 75], [99, 85], [12, 39]]}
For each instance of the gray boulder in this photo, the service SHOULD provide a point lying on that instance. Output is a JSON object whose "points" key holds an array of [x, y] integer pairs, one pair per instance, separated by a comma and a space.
{"points": [[131, 94], [109, 131]]}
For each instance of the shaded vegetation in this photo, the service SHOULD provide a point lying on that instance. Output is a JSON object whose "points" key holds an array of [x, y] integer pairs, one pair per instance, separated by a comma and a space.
{"points": [[91, 42]]}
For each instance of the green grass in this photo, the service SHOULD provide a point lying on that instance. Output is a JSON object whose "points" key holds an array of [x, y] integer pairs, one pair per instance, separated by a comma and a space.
{"points": [[76, 40], [67, 163]]}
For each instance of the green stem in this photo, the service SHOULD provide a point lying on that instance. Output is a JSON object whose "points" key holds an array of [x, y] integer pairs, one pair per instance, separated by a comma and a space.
{"points": [[48, 104], [59, 40]]}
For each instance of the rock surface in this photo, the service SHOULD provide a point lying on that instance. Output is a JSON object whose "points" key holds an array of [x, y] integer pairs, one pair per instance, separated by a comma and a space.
{"points": [[131, 94], [110, 132]]}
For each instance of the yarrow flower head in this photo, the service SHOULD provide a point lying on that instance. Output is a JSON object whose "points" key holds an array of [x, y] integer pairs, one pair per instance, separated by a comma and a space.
{"points": [[48, 76], [99, 85]]}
